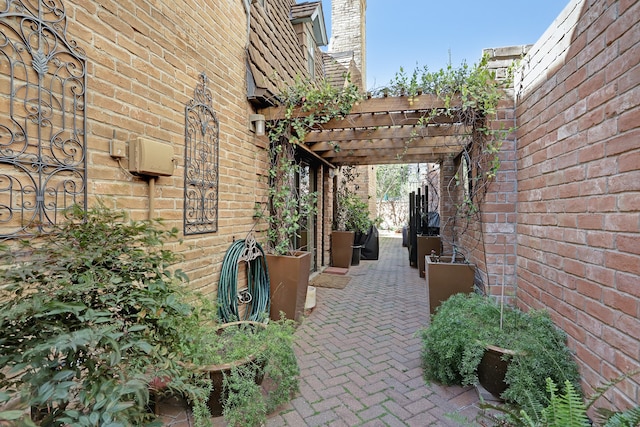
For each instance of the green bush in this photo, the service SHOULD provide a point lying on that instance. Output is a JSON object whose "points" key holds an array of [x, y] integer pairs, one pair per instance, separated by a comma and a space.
{"points": [[89, 314], [454, 343], [270, 343]]}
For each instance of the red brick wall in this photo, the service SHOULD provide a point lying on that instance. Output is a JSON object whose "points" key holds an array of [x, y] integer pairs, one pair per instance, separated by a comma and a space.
{"points": [[490, 243], [578, 223]]}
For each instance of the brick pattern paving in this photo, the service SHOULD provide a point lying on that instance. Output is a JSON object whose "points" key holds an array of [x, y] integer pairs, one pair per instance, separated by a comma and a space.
{"points": [[360, 358]]}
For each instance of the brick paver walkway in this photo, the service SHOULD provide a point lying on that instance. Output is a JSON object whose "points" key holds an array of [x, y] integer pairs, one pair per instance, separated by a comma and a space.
{"points": [[360, 357]]}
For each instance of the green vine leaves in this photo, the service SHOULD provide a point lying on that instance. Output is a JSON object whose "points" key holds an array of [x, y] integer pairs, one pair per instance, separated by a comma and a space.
{"points": [[471, 95], [307, 105]]}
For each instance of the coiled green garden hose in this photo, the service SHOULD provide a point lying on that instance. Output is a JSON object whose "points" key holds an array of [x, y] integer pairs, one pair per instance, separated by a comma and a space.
{"points": [[256, 294]]}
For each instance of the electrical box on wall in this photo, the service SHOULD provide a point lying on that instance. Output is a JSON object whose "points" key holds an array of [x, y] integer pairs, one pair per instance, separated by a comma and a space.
{"points": [[149, 157]]}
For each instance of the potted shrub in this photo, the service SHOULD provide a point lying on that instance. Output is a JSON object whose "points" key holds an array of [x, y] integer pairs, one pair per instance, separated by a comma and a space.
{"points": [[351, 220], [89, 315], [288, 267], [463, 326], [236, 361]]}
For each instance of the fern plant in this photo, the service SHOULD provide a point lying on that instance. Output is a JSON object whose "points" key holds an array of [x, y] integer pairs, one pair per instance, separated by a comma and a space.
{"points": [[567, 409]]}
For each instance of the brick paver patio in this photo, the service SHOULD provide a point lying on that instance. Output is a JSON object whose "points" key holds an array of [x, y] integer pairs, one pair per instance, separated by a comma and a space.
{"points": [[360, 357]]}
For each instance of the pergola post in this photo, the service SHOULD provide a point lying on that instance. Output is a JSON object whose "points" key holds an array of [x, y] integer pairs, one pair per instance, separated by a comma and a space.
{"points": [[448, 201]]}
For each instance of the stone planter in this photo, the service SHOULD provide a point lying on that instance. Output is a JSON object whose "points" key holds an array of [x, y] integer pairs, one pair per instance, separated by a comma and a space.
{"points": [[288, 281], [445, 278]]}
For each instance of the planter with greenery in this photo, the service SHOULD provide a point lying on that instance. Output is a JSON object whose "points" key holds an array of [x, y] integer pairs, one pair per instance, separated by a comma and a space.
{"points": [[342, 248], [89, 314], [463, 326], [305, 105], [236, 357], [351, 218]]}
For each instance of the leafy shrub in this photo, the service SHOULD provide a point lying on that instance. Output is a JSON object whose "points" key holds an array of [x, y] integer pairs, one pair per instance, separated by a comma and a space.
{"points": [[272, 346], [89, 316], [454, 344]]}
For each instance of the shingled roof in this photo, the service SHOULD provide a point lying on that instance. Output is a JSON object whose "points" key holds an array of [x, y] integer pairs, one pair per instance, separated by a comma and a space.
{"points": [[274, 54], [311, 12], [340, 64]]}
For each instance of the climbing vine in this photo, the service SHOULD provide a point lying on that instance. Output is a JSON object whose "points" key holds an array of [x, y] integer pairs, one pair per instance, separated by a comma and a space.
{"points": [[470, 94], [306, 105]]}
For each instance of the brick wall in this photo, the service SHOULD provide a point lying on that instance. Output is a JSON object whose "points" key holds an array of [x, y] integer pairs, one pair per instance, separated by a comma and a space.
{"points": [[490, 243], [144, 63], [578, 223]]}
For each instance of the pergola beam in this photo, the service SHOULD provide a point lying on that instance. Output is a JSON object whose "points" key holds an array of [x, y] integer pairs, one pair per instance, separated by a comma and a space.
{"points": [[447, 142], [406, 118], [392, 104], [370, 134], [387, 130]]}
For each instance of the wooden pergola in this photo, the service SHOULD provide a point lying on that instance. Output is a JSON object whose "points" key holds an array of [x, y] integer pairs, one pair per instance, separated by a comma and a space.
{"points": [[387, 130]]}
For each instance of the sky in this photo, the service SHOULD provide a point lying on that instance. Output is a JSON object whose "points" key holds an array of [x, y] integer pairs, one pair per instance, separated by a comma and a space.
{"points": [[415, 33]]}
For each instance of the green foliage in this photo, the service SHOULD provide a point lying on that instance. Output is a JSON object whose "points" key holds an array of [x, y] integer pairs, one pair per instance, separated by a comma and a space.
{"points": [[289, 207], [245, 405], [463, 325], [268, 350], [472, 94], [93, 318], [306, 105], [391, 181], [352, 212], [88, 318], [567, 409], [628, 418]]}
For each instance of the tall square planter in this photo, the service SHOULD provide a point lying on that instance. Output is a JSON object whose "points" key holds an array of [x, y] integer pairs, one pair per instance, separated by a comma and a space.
{"points": [[425, 245], [288, 282], [445, 279], [341, 248]]}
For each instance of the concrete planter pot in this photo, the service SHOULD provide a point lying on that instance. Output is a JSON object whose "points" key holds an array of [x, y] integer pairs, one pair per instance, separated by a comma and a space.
{"points": [[445, 279], [341, 248], [288, 282]]}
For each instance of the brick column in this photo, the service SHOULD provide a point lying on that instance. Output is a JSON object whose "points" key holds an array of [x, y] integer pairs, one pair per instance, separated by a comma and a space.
{"points": [[447, 203]]}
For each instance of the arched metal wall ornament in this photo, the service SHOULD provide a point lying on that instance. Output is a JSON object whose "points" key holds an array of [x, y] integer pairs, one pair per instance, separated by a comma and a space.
{"points": [[201, 162], [43, 84]]}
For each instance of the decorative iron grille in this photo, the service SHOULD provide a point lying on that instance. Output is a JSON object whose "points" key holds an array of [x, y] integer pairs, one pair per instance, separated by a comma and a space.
{"points": [[42, 118], [201, 163]]}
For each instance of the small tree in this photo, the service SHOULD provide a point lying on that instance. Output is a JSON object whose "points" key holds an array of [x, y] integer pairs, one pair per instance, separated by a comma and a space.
{"points": [[391, 186]]}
